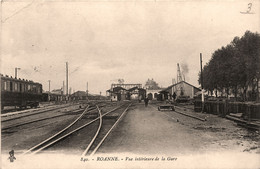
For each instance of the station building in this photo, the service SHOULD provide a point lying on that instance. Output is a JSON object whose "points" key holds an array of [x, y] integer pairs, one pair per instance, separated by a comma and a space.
{"points": [[54, 95], [180, 89], [119, 92], [153, 94], [79, 95], [152, 89]]}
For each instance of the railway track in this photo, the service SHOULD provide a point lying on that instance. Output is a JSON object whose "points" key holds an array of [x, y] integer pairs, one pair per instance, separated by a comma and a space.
{"points": [[182, 110], [14, 125], [25, 113], [9, 116], [101, 135], [184, 107], [191, 116], [77, 125], [35, 117]]}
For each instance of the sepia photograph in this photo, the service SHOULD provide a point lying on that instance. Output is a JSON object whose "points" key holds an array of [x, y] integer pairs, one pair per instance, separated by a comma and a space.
{"points": [[130, 84]]}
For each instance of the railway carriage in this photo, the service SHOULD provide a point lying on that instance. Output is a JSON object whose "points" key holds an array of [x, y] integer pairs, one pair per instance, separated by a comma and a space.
{"points": [[19, 92]]}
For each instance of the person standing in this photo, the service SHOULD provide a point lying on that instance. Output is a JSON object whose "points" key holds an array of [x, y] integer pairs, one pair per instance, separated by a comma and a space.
{"points": [[146, 100], [174, 96], [140, 98]]}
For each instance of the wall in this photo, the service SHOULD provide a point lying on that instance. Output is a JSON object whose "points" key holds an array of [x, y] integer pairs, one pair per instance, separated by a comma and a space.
{"points": [[188, 89], [153, 92]]}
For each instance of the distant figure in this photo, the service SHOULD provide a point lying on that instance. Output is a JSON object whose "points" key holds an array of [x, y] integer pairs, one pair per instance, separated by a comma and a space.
{"points": [[146, 100], [174, 96], [140, 99], [12, 157]]}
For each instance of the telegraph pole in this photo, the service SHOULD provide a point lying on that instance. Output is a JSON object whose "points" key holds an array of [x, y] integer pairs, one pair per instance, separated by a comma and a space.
{"points": [[201, 78], [87, 88], [63, 89], [172, 87], [49, 85], [67, 80]]}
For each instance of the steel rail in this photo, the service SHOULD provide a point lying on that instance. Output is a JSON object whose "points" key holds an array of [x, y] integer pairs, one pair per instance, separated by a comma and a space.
{"points": [[59, 131], [77, 129], [44, 118], [188, 115], [183, 107], [39, 119], [98, 130], [66, 135], [100, 143], [38, 110], [34, 113]]}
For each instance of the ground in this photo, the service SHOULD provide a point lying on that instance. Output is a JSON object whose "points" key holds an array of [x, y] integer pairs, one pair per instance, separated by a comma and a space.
{"points": [[145, 132]]}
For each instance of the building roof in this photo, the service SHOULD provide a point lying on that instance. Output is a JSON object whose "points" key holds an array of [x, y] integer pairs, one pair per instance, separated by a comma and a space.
{"points": [[18, 79], [133, 88], [164, 90], [116, 89], [80, 93], [83, 93]]}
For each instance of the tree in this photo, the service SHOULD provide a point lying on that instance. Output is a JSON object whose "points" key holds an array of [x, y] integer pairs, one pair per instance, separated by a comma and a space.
{"points": [[234, 66]]}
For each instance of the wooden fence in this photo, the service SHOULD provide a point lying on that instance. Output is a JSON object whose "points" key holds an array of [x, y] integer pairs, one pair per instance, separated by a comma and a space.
{"points": [[222, 108]]}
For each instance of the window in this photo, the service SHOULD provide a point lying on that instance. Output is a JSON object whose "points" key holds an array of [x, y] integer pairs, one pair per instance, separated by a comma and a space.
{"points": [[15, 86], [2, 85], [34, 88], [5, 85], [11, 86], [21, 87], [25, 88], [39, 89], [29, 88]]}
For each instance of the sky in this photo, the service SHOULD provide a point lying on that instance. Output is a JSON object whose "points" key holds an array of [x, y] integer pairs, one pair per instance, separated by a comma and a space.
{"points": [[103, 41]]}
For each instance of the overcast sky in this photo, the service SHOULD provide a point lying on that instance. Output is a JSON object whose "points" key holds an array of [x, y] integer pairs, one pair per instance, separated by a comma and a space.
{"points": [[104, 41]]}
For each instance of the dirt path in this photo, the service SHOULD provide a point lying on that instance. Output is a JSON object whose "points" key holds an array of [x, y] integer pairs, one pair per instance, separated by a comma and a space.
{"points": [[148, 131]]}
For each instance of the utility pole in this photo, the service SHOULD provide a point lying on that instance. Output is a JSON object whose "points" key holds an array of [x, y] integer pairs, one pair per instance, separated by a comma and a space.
{"points": [[16, 69], [172, 86], [67, 80], [87, 89], [49, 85], [63, 88], [201, 78]]}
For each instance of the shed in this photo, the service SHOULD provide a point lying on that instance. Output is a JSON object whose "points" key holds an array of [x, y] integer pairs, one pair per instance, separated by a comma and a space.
{"points": [[181, 89]]}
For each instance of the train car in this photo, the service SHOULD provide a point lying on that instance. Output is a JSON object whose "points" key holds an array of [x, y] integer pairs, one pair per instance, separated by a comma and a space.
{"points": [[20, 92]]}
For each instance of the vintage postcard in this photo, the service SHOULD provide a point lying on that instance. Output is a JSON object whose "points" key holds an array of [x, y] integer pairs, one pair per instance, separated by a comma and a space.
{"points": [[130, 84]]}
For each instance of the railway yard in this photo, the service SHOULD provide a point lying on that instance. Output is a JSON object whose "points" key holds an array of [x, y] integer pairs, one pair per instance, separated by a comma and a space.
{"points": [[100, 128]]}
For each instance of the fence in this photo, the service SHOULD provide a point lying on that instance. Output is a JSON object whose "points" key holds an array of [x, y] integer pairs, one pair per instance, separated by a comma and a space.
{"points": [[222, 108]]}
